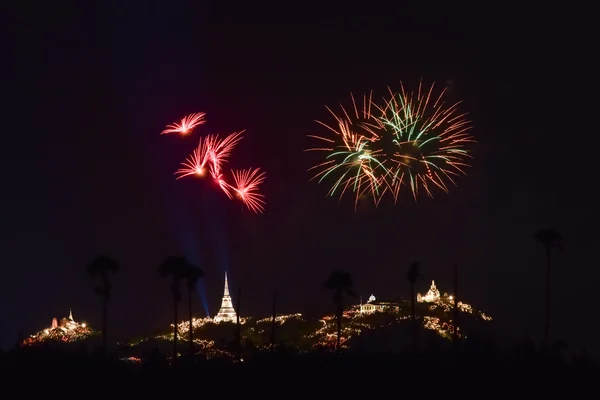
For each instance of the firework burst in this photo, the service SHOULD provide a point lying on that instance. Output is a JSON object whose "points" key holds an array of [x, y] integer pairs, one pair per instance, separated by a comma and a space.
{"points": [[211, 154], [187, 124], [219, 151], [246, 187], [409, 139], [430, 141], [195, 164]]}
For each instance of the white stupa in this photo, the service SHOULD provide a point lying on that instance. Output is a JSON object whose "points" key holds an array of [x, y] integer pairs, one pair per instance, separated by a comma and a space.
{"points": [[226, 313], [431, 296]]}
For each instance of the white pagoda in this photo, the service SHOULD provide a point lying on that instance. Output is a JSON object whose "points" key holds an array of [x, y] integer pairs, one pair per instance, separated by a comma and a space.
{"points": [[431, 296], [226, 313]]}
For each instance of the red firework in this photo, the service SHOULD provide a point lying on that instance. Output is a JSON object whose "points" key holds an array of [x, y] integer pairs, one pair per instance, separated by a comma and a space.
{"points": [[195, 164], [211, 150], [247, 182], [219, 151], [186, 125], [212, 153]]}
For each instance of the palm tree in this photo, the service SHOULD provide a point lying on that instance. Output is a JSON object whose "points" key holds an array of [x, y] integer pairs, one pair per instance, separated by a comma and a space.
{"points": [[192, 274], [273, 320], [238, 326], [455, 331], [341, 284], [175, 268], [101, 268], [550, 239], [412, 275]]}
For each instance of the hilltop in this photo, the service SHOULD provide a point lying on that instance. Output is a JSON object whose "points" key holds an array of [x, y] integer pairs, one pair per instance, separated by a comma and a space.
{"points": [[375, 326], [65, 330]]}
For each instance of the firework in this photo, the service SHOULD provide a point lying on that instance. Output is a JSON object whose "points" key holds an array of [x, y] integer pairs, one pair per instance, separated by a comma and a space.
{"points": [[220, 150], [186, 125], [411, 139], [429, 139], [211, 154], [195, 164], [225, 187], [354, 161], [246, 188]]}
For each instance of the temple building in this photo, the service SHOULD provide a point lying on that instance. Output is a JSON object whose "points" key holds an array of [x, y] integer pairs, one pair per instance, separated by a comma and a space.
{"points": [[431, 296], [67, 323], [374, 305], [226, 313], [65, 330]]}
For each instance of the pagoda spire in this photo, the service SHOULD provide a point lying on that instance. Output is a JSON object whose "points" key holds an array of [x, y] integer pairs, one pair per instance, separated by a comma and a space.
{"points": [[226, 292], [227, 312], [71, 315]]}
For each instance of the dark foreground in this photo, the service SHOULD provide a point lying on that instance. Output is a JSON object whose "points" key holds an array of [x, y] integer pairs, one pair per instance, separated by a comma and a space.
{"points": [[280, 374]]}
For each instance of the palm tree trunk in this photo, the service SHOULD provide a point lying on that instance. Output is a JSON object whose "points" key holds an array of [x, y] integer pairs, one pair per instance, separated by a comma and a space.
{"points": [[547, 321], [105, 297], [340, 312], [191, 327], [413, 316], [174, 330], [238, 326], [273, 319], [104, 322], [455, 333]]}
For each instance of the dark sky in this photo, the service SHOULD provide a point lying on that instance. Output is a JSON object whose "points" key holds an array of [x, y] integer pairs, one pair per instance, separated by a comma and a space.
{"points": [[87, 89]]}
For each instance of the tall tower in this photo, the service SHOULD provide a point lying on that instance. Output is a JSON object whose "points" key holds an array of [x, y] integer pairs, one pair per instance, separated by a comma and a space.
{"points": [[226, 313]]}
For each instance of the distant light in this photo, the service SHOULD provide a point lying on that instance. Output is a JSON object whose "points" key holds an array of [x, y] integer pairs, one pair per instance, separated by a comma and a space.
{"points": [[83, 325]]}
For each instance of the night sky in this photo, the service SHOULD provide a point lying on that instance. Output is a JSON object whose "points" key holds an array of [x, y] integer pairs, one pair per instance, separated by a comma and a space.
{"points": [[87, 89]]}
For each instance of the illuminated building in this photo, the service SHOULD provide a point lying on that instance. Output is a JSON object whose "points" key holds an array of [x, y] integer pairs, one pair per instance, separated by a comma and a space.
{"points": [[377, 305], [226, 313], [65, 330], [431, 296]]}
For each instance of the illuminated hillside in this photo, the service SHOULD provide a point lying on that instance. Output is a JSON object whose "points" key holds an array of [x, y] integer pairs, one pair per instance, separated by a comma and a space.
{"points": [[67, 330], [434, 312]]}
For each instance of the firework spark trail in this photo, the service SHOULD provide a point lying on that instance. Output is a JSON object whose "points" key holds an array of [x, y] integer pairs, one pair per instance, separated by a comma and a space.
{"points": [[195, 164], [219, 151], [212, 153], [246, 186], [226, 187], [187, 124], [413, 139], [211, 150], [352, 152], [246, 183], [430, 137]]}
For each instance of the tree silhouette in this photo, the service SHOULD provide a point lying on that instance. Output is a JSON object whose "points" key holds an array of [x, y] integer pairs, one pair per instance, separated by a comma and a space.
{"points": [[455, 330], [341, 284], [101, 268], [413, 275], [192, 275], [550, 239], [273, 320], [175, 267], [238, 326]]}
